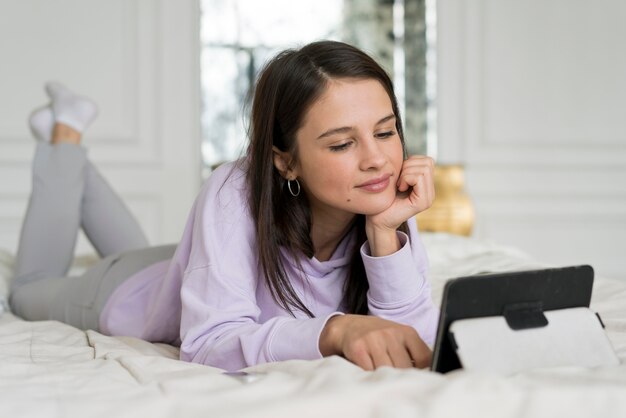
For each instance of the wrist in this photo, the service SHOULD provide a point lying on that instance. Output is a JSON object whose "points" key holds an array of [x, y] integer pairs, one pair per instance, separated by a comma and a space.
{"points": [[382, 240], [329, 342]]}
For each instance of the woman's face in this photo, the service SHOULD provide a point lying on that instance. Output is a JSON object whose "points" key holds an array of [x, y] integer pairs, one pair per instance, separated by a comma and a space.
{"points": [[349, 151]]}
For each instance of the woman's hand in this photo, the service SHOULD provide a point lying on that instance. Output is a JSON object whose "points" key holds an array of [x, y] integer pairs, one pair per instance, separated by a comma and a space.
{"points": [[371, 342], [415, 194]]}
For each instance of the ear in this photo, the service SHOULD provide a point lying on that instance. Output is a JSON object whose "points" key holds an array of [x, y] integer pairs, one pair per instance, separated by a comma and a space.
{"points": [[282, 162]]}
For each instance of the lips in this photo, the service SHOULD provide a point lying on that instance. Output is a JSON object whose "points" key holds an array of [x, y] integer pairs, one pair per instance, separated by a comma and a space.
{"points": [[376, 184]]}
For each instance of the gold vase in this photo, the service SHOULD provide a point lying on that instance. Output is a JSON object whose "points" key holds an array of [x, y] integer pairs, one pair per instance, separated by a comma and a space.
{"points": [[452, 211]]}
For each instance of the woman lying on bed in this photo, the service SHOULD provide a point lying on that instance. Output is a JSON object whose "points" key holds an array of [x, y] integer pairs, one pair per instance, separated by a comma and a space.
{"points": [[306, 247]]}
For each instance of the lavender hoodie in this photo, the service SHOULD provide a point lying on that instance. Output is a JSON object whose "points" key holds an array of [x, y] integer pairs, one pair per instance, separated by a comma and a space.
{"points": [[212, 300]]}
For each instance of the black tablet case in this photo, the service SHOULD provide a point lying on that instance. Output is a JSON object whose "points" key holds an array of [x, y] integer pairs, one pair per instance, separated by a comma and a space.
{"points": [[520, 296]]}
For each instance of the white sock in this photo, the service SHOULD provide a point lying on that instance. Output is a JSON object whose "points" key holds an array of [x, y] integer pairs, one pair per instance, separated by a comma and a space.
{"points": [[41, 122], [72, 110]]}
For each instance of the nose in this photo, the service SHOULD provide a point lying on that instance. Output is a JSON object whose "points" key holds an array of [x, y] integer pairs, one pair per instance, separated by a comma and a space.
{"points": [[372, 156]]}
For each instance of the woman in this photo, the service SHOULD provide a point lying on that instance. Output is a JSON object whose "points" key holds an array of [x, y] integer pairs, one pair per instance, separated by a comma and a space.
{"points": [[305, 248]]}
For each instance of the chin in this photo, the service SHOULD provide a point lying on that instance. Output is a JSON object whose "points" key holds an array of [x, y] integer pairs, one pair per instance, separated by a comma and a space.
{"points": [[375, 205]]}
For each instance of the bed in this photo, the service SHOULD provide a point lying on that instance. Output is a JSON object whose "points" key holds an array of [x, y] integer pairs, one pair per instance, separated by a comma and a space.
{"points": [[49, 369]]}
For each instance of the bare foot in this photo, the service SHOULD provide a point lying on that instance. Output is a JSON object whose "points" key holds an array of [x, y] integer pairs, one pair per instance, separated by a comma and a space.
{"points": [[62, 133]]}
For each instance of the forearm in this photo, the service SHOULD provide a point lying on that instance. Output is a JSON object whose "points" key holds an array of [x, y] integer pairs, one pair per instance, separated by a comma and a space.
{"points": [[238, 345], [398, 288]]}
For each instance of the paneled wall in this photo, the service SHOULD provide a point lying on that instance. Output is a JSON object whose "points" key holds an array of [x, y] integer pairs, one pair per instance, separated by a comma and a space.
{"points": [[138, 59], [532, 99]]}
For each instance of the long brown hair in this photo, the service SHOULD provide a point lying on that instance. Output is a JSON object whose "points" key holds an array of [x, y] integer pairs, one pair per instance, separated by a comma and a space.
{"points": [[286, 88]]}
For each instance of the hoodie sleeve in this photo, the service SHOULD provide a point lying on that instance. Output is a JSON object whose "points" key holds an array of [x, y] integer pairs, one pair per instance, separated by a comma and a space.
{"points": [[398, 285]]}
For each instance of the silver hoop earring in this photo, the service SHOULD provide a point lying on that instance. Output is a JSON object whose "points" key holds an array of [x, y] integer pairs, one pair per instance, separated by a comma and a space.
{"points": [[297, 192]]}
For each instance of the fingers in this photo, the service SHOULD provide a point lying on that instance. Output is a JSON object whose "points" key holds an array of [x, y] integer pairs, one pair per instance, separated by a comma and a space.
{"points": [[381, 358], [369, 353], [411, 352], [386, 343], [394, 355], [400, 356], [412, 168], [362, 359], [397, 356], [421, 355], [417, 175]]}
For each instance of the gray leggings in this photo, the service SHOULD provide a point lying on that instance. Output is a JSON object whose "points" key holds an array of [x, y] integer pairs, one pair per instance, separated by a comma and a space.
{"points": [[68, 193]]}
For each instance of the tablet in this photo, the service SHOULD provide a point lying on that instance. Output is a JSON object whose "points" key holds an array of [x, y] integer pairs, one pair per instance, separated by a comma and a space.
{"points": [[503, 294], [573, 337]]}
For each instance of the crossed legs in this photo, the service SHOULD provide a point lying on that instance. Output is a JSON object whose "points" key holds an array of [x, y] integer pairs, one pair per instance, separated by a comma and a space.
{"points": [[67, 193]]}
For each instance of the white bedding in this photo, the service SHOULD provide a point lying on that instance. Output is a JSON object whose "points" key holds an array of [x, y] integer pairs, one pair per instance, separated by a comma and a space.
{"points": [[48, 369]]}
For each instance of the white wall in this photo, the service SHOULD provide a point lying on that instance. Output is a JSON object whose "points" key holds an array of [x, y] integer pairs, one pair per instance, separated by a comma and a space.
{"points": [[532, 99], [138, 59]]}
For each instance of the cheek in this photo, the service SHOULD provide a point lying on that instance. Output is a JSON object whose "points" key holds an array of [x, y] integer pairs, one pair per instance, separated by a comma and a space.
{"points": [[331, 177], [328, 178], [397, 157]]}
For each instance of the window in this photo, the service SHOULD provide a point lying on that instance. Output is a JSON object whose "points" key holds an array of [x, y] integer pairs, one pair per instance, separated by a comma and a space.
{"points": [[239, 36]]}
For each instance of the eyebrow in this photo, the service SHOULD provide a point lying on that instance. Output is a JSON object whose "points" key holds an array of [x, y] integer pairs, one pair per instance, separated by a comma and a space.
{"points": [[345, 129]]}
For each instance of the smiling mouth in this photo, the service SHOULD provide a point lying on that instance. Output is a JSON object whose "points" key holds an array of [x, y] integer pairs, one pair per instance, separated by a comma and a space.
{"points": [[376, 185]]}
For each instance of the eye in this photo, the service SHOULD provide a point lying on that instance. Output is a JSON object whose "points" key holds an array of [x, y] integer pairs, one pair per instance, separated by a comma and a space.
{"points": [[340, 147], [383, 135]]}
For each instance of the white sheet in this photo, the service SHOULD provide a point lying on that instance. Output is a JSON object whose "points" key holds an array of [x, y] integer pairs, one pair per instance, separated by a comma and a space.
{"points": [[48, 369]]}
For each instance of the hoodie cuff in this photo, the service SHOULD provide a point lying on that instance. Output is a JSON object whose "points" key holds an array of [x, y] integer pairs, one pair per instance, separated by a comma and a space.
{"points": [[298, 339]]}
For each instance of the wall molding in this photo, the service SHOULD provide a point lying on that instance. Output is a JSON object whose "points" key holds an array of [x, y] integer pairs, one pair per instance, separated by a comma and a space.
{"points": [[529, 191], [139, 59]]}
